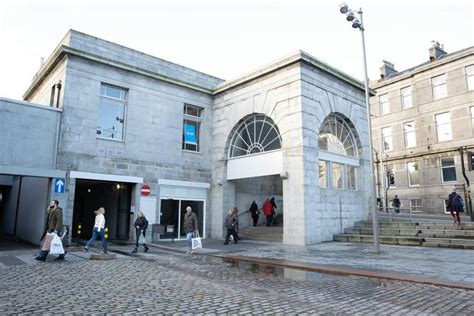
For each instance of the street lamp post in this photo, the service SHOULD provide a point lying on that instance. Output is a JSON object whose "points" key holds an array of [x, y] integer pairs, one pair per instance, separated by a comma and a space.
{"points": [[358, 24]]}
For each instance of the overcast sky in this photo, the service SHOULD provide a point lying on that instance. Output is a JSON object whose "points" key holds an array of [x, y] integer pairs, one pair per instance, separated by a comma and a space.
{"points": [[229, 37]]}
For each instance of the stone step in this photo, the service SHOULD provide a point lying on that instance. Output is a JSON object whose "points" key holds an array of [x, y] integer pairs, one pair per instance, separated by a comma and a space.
{"points": [[419, 225], [392, 240], [420, 232], [263, 233]]}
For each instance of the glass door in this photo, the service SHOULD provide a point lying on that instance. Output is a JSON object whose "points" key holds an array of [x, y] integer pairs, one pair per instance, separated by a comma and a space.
{"points": [[172, 216]]}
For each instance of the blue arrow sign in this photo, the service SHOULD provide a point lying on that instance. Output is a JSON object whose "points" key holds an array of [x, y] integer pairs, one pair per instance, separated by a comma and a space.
{"points": [[59, 185]]}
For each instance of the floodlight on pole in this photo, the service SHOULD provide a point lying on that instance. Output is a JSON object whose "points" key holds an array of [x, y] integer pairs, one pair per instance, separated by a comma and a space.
{"points": [[357, 23]]}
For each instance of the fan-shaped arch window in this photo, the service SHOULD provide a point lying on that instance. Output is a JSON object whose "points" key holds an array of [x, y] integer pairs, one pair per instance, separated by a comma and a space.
{"points": [[254, 135], [336, 136]]}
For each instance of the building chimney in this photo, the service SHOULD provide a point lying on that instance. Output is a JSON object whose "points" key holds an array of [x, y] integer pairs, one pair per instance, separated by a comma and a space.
{"points": [[436, 51], [387, 69]]}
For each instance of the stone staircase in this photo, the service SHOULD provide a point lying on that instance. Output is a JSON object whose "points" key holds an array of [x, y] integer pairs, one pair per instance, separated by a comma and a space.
{"points": [[427, 233], [263, 233]]}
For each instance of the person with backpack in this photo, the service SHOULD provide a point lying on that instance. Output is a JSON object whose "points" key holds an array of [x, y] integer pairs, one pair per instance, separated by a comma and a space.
{"points": [[455, 206], [141, 224]]}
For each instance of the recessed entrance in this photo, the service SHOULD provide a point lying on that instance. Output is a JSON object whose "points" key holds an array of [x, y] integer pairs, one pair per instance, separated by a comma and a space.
{"points": [[115, 197]]}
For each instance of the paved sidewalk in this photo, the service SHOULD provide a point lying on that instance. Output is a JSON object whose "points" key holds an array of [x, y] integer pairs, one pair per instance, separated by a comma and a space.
{"points": [[438, 266]]}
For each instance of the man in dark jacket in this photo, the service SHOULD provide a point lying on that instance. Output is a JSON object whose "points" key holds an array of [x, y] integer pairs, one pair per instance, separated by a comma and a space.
{"points": [[455, 206], [396, 204], [54, 224], [190, 226], [254, 212]]}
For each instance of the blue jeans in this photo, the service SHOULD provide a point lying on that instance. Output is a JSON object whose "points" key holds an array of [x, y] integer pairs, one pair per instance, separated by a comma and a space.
{"points": [[96, 233], [189, 237]]}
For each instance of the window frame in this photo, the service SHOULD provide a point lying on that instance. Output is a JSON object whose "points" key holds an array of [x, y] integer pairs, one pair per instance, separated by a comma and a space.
{"points": [[404, 97], [440, 124], [407, 133], [416, 208], [124, 93], [450, 166], [326, 174], [439, 89], [385, 103], [470, 77], [195, 119], [410, 184], [388, 137]]}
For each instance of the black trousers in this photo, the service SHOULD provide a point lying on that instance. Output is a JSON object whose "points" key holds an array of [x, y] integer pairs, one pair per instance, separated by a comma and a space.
{"points": [[137, 233], [231, 231], [255, 220]]}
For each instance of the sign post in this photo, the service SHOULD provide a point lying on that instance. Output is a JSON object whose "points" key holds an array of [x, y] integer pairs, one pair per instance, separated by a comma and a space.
{"points": [[59, 185], [145, 190]]}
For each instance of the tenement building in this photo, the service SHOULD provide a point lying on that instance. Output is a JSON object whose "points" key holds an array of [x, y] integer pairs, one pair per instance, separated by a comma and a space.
{"points": [[105, 125], [423, 129]]}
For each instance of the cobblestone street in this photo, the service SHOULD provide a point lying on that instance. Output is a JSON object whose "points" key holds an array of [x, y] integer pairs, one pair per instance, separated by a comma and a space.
{"points": [[168, 283]]}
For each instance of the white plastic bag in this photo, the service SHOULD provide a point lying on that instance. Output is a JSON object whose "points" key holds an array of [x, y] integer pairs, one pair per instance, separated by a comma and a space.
{"points": [[56, 247], [141, 239], [196, 242]]}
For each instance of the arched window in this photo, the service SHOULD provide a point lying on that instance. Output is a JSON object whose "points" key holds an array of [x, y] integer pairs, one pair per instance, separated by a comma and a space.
{"points": [[254, 135], [336, 136]]}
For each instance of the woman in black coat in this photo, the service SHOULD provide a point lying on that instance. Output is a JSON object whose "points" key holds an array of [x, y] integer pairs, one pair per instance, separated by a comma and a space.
{"points": [[141, 224]]}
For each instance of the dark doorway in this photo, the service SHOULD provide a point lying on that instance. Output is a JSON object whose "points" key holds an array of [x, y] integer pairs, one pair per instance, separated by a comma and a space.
{"points": [[115, 197]]}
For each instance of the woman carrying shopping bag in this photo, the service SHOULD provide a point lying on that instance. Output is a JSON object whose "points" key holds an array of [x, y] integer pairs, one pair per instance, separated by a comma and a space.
{"points": [[141, 224], [99, 230]]}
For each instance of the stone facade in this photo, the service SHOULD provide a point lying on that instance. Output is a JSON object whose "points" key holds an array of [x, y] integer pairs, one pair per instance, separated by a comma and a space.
{"points": [[429, 150], [297, 93]]}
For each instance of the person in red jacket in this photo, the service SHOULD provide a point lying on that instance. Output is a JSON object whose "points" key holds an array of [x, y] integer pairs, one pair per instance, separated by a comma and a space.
{"points": [[268, 212]]}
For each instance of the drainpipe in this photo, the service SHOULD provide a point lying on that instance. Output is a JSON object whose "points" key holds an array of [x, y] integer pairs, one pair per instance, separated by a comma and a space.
{"points": [[469, 201]]}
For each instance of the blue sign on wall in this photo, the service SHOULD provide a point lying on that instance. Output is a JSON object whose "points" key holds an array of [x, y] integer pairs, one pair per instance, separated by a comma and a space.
{"points": [[190, 134], [59, 185]]}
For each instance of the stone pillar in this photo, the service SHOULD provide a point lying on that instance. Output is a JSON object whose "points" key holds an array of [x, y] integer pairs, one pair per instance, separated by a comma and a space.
{"points": [[222, 198]]}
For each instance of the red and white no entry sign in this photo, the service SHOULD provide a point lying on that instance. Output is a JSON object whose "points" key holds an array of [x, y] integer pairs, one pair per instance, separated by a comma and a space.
{"points": [[145, 190]]}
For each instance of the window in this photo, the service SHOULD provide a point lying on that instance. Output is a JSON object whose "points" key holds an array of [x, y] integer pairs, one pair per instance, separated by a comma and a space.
{"points": [[472, 119], [448, 169], [53, 93], [111, 112], [439, 87], [413, 174], [387, 139], [470, 77], [410, 136], [445, 202], [336, 136], [191, 127], [384, 104], [256, 134], [323, 179], [405, 94], [415, 205], [337, 174], [443, 127], [351, 175]]}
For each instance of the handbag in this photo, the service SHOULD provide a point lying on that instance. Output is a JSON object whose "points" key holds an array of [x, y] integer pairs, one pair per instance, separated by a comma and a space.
{"points": [[56, 247], [196, 241], [141, 239]]}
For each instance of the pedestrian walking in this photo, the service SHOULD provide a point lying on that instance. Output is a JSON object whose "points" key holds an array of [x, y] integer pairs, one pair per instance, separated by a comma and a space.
{"points": [[54, 224], [254, 212], [190, 227], [230, 222], [268, 212], [396, 204], [98, 230], [237, 228], [455, 206], [141, 224]]}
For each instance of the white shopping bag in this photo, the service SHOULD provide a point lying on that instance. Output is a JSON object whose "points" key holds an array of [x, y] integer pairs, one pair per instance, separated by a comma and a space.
{"points": [[196, 242], [56, 247]]}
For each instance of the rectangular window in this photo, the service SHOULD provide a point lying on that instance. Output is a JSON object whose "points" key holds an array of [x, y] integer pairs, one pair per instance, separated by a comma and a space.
{"points": [[413, 174], [323, 179], [351, 177], [472, 119], [448, 169], [415, 205], [191, 127], [470, 77], [405, 94], [111, 118], [387, 139], [443, 126], [410, 136], [337, 176], [446, 206], [439, 87], [384, 104], [53, 94]]}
